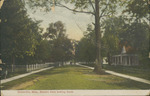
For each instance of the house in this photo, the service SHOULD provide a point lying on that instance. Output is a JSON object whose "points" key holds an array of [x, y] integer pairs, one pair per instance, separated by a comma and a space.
{"points": [[125, 59]]}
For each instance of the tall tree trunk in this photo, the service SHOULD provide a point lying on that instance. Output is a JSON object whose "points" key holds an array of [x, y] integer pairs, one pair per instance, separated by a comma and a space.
{"points": [[98, 65]]}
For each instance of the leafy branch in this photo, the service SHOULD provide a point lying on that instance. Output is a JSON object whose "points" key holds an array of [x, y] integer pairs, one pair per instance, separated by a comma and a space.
{"points": [[61, 5]]}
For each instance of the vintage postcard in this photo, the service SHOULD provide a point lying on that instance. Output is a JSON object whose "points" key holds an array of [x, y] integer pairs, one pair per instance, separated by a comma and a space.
{"points": [[74, 48]]}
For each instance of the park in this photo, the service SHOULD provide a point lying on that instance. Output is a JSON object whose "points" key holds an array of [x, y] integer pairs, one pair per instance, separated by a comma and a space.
{"points": [[74, 45], [72, 77]]}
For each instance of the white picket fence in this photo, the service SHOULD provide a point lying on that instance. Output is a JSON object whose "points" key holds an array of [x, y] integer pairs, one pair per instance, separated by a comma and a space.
{"points": [[33, 67]]}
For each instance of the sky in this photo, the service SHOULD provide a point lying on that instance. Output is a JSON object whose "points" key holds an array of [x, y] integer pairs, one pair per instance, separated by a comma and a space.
{"points": [[1, 3], [75, 24]]}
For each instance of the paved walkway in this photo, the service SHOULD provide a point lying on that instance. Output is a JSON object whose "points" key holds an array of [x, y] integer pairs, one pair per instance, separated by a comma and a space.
{"points": [[122, 75], [23, 75], [107, 71]]}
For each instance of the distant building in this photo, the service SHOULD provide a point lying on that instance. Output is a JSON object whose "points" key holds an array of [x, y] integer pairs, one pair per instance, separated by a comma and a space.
{"points": [[125, 59], [105, 60], [74, 42]]}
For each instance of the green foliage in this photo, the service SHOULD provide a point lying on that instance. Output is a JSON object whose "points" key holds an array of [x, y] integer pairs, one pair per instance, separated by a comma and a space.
{"points": [[61, 45], [119, 31], [86, 51], [133, 32], [107, 7], [99, 8], [19, 33], [62, 50], [137, 36], [55, 30], [43, 52], [21, 39], [86, 46], [138, 8], [112, 28]]}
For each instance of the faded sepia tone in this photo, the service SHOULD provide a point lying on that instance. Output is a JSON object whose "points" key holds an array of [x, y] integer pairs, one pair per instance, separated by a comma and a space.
{"points": [[55, 47]]}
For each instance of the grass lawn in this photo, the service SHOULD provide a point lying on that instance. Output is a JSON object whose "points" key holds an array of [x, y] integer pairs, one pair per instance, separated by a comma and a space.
{"points": [[72, 77], [138, 71]]}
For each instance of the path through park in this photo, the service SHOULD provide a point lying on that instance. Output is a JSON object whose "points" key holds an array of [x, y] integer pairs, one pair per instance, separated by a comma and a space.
{"points": [[23, 75], [70, 77], [122, 75], [107, 71]]}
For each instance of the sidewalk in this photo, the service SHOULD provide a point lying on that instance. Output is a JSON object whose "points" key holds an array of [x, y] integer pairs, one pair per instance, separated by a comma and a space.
{"points": [[122, 75], [23, 75]]}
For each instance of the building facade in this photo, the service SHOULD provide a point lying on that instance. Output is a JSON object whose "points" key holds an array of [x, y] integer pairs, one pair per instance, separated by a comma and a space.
{"points": [[125, 59]]}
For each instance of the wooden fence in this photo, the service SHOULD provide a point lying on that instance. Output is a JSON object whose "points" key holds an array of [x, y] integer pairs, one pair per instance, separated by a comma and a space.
{"points": [[28, 67], [33, 67]]}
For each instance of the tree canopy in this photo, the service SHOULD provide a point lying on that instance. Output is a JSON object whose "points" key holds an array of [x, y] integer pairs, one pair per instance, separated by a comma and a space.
{"points": [[18, 32]]}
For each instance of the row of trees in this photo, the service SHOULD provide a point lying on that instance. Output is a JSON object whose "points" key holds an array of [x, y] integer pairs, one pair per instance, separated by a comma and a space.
{"points": [[137, 10], [121, 32], [19, 33], [118, 32], [100, 9], [61, 46], [22, 39]]}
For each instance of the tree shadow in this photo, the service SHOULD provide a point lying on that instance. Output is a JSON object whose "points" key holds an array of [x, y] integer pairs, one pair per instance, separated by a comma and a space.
{"points": [[130, 84]]}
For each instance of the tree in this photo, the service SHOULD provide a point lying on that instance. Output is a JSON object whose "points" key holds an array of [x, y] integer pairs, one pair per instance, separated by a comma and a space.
{"points": [[137, 37], [43, 52], [86, 46], [61, 45], [18, 32], [86, 51], [55, 30], [62, 50], [138, 9], [98, 8], [119, 32], [113, 27]]}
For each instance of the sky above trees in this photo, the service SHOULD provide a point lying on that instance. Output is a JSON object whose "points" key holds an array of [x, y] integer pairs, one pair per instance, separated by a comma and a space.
{"points": [[75, 23]]}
